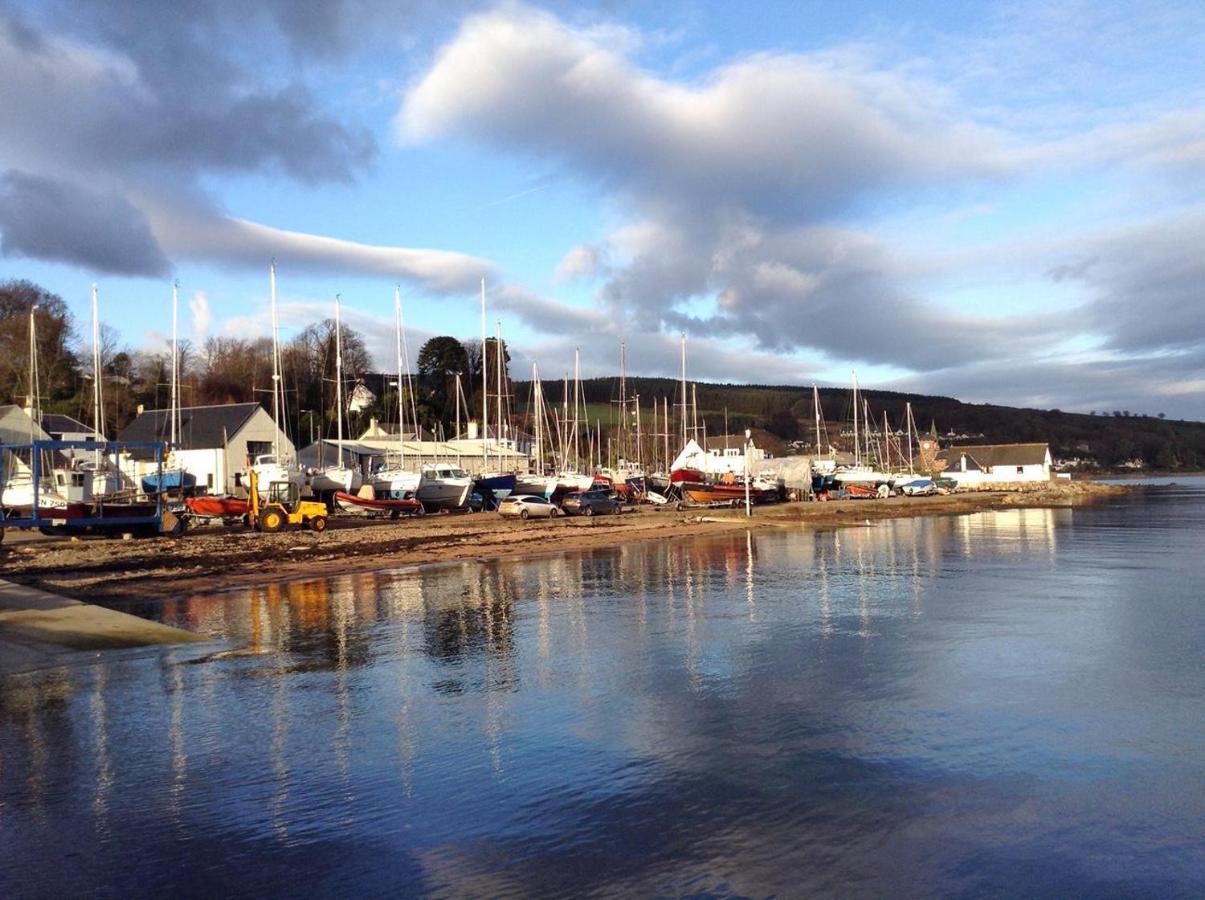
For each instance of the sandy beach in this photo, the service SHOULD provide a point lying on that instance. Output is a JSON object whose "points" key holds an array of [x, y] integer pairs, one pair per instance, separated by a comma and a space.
{"points": [[212, 558]]}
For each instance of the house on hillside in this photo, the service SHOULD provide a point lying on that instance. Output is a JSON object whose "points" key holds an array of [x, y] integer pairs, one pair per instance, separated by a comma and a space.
{"points": [[215, 442], [983, 465], [66, 428]]}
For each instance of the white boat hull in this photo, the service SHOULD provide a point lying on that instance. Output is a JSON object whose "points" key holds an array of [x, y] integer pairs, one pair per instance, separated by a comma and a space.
{"points": [[396, 483], [336, 478], [537, 485], [444, 493]]}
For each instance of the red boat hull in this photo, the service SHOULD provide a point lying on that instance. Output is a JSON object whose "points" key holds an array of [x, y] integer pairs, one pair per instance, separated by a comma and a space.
{"points": [[409, 505], [217, 507]]}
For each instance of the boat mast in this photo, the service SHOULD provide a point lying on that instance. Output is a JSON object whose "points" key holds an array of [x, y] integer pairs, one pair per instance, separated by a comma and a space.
{"points": [[339, 378], [539, 405], [909, 425], [401, 403], [485, 387], [623, 400], [275, 363], [35, 408], [498, 393], [577, 397], [694, 393], [175, 400], [857, 445], [886, 440], [816, 410], [665, 421], [457, 435], [684, 406], [98, 401], [639, 454]]}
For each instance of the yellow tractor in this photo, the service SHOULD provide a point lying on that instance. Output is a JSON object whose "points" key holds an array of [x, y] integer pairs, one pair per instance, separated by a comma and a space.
{"points": [[283, 507]]}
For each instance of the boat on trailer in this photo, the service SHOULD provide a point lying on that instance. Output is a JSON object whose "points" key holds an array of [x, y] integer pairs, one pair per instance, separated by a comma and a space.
{"points": [[372, 506]]}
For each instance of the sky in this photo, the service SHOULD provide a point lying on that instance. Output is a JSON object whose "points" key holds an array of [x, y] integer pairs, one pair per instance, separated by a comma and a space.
{"points": [[1000, 202]]}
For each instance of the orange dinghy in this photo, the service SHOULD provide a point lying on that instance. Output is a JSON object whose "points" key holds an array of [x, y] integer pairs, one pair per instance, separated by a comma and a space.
{"points": [[217, 507]]}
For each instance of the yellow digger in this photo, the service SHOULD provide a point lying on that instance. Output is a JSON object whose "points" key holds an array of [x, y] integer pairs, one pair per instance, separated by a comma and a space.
{"points": [[283, 507]]}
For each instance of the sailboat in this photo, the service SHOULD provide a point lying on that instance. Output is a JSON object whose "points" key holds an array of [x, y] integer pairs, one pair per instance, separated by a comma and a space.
{"points": [[173, 477], [537, 483], [394, 480], [104, 477], [273, 467], [861, 472], [494, 486], [337, 477], [18, 493]]}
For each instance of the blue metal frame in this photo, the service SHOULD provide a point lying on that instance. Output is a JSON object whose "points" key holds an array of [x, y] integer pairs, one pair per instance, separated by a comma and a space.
{"points": [[37, 448]]}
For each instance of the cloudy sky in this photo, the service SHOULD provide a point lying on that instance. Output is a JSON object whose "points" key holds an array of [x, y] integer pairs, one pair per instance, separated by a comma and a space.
{"points": [[999, 202]]}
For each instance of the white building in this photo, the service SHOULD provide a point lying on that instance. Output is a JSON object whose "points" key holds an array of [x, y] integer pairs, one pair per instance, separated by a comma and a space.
{"points": [[991, 464], [214, 444]]}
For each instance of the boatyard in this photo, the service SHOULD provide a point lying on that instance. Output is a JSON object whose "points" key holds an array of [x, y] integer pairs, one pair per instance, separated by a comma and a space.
{"points": [[214, 558]]}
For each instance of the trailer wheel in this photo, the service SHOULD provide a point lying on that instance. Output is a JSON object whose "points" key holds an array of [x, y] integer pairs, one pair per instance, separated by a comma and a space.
{"points": [[271, 521], [318, 524]]}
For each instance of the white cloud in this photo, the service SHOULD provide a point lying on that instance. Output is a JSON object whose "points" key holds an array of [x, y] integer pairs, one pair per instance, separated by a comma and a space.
{"points": [[198, 306]]}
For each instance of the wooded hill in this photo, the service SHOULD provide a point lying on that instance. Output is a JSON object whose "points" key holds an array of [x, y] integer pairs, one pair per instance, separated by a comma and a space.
{"points": [[1109, 438]]}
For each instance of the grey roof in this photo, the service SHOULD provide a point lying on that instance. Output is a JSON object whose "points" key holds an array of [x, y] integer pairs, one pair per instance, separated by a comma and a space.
{"points": [[990, 455], [57, 423], [201, 427], [15, 426]]}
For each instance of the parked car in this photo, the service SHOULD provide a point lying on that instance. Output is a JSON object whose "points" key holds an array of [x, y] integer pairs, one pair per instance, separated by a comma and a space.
{"points": [[527, 506], [918, 487], [593, 502]]}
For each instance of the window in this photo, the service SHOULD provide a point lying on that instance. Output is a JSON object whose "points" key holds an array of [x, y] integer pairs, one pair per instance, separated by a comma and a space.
{"points": [[1020, 470]]}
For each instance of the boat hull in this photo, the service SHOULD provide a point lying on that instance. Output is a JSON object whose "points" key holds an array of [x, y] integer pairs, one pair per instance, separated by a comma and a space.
{"points": [[444, 493], [351, 503]]}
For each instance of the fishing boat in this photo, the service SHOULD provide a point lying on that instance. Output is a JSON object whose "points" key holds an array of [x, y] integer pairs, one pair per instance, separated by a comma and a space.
{"points": [[860, 491], [172, 478], [372, 506], [170, 481], [732, 491], [444, 486]]}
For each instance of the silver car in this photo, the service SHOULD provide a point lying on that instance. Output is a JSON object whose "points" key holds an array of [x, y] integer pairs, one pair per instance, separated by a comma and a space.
{"points": [[527, 506]]}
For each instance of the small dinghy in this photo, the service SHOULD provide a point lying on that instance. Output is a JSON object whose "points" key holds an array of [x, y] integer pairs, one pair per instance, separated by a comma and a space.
{"points": [[370, 506], [217, 507]]}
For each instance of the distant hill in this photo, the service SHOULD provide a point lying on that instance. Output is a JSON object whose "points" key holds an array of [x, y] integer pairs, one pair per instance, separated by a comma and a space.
{"points": [[1109, 438]]}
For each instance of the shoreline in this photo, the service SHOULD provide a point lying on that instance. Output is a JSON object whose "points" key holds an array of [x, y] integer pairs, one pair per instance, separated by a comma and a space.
{"points": [[210, 560]]}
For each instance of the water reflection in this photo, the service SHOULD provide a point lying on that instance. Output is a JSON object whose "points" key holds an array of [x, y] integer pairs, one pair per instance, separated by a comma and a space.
{"points": [[743, 714]]}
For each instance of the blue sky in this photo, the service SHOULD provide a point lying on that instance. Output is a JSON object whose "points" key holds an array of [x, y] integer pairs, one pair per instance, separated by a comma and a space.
{"points": [[999, 202]]}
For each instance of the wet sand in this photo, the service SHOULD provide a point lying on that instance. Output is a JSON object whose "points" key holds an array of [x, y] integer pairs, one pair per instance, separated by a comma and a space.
{"points": [[212, 558]]}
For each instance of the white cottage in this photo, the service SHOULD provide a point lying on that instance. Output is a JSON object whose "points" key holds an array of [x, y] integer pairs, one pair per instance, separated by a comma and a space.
{"points": [[215, 442], [984, 465]]}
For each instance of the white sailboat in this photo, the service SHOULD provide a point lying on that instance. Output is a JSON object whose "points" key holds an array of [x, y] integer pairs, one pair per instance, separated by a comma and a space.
{"points": [[339, 476], [537, 483], [394, 480], [274, 466], [861, 472], [17, 491]]}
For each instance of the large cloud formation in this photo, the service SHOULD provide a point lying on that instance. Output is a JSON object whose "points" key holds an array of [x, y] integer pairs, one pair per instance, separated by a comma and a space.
{"points": [[742, 191], [123, 123]]}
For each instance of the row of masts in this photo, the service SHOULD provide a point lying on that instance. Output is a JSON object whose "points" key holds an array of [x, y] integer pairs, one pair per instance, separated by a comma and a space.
{"points": [[629, 445]]}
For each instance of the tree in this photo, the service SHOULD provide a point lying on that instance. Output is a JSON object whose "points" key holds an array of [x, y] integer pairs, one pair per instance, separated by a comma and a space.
{"points": [[58, 366], [440, 360], [783, 424]]}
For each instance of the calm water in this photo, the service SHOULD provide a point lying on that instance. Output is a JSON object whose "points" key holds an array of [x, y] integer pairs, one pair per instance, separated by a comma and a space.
{"points": [[1008, 703]]}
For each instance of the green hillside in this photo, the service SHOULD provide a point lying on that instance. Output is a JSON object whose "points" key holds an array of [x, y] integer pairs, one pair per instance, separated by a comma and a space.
{"points": [[1111, 437]]}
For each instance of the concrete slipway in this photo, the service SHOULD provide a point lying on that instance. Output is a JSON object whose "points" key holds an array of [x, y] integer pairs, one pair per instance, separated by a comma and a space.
{"points": [[39, 629]]}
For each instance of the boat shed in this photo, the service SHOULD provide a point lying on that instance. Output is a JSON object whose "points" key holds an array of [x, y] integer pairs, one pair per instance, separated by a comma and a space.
{"points": [[984, 465], [214, 444]]}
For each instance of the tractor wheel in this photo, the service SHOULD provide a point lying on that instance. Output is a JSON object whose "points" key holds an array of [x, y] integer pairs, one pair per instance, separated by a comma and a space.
{"points": [[523, 514], [272, 521], [318, 524]]}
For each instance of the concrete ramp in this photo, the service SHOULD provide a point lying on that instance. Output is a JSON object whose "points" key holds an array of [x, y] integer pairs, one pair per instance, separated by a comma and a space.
{"points": [[37, 628]]}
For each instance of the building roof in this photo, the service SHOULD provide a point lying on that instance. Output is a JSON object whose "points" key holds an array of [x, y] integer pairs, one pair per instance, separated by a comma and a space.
{"points": [[57, 423], [15, 426], [990, 455], [201, 427]]}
